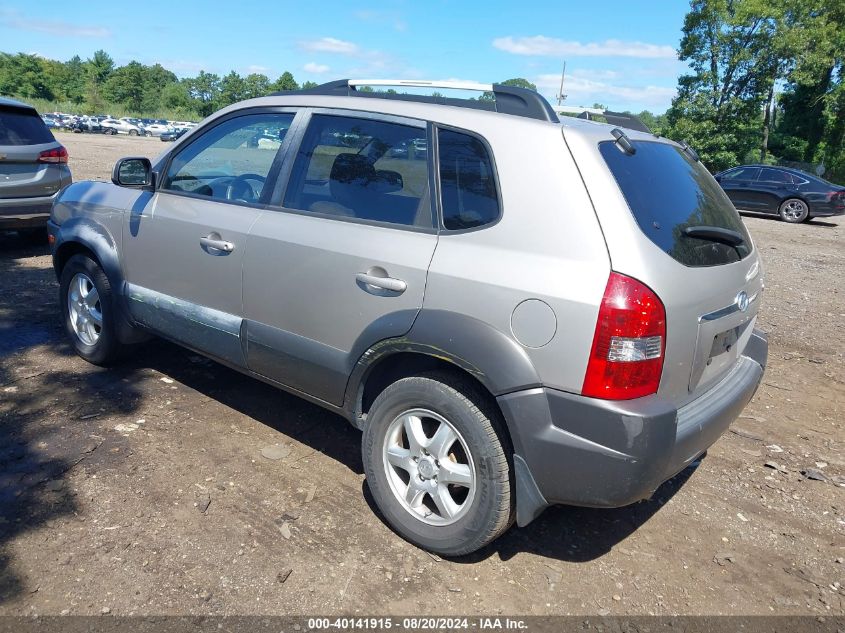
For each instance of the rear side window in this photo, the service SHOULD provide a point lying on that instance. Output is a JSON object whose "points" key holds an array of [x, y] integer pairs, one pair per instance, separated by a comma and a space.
{"points": [[668, 192], [20, 126], [742, 173], [467, 182], [774, 175]]}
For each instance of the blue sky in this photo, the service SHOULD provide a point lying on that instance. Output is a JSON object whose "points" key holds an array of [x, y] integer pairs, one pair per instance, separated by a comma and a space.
{"points": [[619, 53]]}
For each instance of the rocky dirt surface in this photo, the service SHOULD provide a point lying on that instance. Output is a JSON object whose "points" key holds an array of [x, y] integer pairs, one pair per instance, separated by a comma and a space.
{"points": [[172, 485]]}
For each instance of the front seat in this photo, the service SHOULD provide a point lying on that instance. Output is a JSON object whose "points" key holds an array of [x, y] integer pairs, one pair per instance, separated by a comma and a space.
{"points": [[349, 180]]}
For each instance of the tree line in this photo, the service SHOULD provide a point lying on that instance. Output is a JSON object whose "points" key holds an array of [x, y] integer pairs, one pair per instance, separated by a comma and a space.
{"points": [[766, 82], [97, 85]]}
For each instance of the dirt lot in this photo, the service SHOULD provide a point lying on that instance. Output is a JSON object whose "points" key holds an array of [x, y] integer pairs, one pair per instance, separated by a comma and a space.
{"points": [[143, 489]]}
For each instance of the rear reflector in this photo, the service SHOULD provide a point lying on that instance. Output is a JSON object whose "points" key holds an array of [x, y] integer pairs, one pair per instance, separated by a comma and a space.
{"points": [[58, 155], [626, 359]]}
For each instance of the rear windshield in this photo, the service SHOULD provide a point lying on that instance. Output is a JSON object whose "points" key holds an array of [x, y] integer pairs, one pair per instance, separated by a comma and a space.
{"points": [[22, 127], [667, 192]]}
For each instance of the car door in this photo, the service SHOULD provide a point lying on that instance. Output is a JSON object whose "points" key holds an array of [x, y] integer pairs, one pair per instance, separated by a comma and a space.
{"points": [[183, 247], [342, 263], [773, 186], [738, 184]]}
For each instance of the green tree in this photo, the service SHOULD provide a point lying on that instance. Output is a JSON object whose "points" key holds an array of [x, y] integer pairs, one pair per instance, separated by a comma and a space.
{"points": [[125, 86], [519, 82], [285, 82], [732, 49], [256, 85], [24, 76], [204, 91], [232, 89], [100, 66]]}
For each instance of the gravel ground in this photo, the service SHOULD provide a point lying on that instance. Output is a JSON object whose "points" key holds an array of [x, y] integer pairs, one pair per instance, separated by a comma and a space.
{"points": [[145, 489]]}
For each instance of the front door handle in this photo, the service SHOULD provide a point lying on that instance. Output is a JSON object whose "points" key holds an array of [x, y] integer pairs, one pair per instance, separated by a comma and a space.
{"points": [[213, 241], [385, 283]]}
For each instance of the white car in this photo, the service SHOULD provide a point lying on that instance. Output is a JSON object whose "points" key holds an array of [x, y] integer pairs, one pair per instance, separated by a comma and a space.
{"points": [[157, 129], [115, 126]]}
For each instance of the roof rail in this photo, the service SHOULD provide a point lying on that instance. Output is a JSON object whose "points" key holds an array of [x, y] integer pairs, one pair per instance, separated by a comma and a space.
{"points": [[619, 119], [508, 99]]}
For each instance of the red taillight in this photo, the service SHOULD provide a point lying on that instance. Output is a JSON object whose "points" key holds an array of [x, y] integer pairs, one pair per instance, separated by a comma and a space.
{"points": [[837, 198], [58, 155], [627, 355]]}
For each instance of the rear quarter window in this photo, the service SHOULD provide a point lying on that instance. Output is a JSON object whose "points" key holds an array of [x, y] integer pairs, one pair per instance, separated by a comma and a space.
{"points": [[468, 192], [19, 126], [667, 191]]}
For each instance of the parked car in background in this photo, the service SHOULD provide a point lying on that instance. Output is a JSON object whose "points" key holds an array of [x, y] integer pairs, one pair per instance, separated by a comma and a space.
{"points": [[157, 129], [50, 123], [119, 126], [538, 315], [87, 124], [33, 169], [173, 134], [414, 148], [792, 194]]}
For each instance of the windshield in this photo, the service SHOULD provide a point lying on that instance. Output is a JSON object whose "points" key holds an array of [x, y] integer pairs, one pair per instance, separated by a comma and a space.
{"points": [[668, 192]]}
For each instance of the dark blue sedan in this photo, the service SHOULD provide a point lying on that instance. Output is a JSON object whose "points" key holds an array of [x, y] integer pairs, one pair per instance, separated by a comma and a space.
{"points": [[793, 194]]}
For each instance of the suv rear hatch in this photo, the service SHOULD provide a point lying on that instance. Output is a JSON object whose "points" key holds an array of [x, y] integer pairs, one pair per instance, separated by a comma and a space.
{"points": [[26, 168], [668, 224]]}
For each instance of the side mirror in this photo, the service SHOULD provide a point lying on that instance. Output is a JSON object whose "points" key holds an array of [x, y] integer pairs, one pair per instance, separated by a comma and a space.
{"points": [[133, 171]]}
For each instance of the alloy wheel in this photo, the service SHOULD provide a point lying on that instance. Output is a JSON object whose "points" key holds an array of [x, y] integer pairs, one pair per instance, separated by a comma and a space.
{"points": [[84, 309], [429, 467]]}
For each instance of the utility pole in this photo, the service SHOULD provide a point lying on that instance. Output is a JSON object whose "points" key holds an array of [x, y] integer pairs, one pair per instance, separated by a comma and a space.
{"points": [[560, 96]]}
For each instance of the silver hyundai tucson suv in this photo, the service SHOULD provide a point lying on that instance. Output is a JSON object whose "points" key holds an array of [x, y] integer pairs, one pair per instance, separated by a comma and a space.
{"points": [[531, 311], [33, 168]]}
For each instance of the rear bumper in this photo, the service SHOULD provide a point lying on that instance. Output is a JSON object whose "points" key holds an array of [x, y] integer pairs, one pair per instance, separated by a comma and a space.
{"points": [[582, 451], [25, 212]]}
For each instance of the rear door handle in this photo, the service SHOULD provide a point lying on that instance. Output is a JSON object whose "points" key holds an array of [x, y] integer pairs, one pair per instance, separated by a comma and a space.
{"points": [[385, 283], [214, 241]]}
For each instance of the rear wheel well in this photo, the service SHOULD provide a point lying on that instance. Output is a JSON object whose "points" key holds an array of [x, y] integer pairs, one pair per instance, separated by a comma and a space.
{"points": [[407, 364]]}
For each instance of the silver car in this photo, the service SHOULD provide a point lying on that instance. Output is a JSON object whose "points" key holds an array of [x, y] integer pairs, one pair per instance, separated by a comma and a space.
{"points": [[33, 168], [543, 311]]}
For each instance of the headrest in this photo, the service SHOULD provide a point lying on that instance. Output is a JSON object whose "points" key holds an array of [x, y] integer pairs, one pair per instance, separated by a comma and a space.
{"points": [[352, 169]]}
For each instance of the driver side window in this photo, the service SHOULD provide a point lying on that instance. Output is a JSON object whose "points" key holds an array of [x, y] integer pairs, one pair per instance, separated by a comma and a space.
{"points": [[230, 161]]}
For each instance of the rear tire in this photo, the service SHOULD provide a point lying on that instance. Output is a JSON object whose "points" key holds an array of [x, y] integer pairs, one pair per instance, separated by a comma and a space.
{"points": [[86, 300], [794, 211], [445, 485]]}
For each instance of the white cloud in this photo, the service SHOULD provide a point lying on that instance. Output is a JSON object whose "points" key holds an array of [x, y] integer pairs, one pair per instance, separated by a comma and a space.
{"points": [[14, 20], [257, 70], [330, 45], [584, 91], [552, 47], [313, 67]]}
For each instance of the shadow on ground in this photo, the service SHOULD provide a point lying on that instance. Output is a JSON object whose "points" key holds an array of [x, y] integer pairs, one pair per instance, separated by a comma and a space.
{"points": [[47, 412]]}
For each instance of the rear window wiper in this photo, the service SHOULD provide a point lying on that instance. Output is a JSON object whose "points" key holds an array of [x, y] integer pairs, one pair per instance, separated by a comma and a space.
{"points": [[716, 234]]}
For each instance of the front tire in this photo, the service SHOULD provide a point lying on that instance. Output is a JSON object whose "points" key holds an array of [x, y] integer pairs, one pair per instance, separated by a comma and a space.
{"points": [[437, 463], [85, 296], [794, 211]]}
